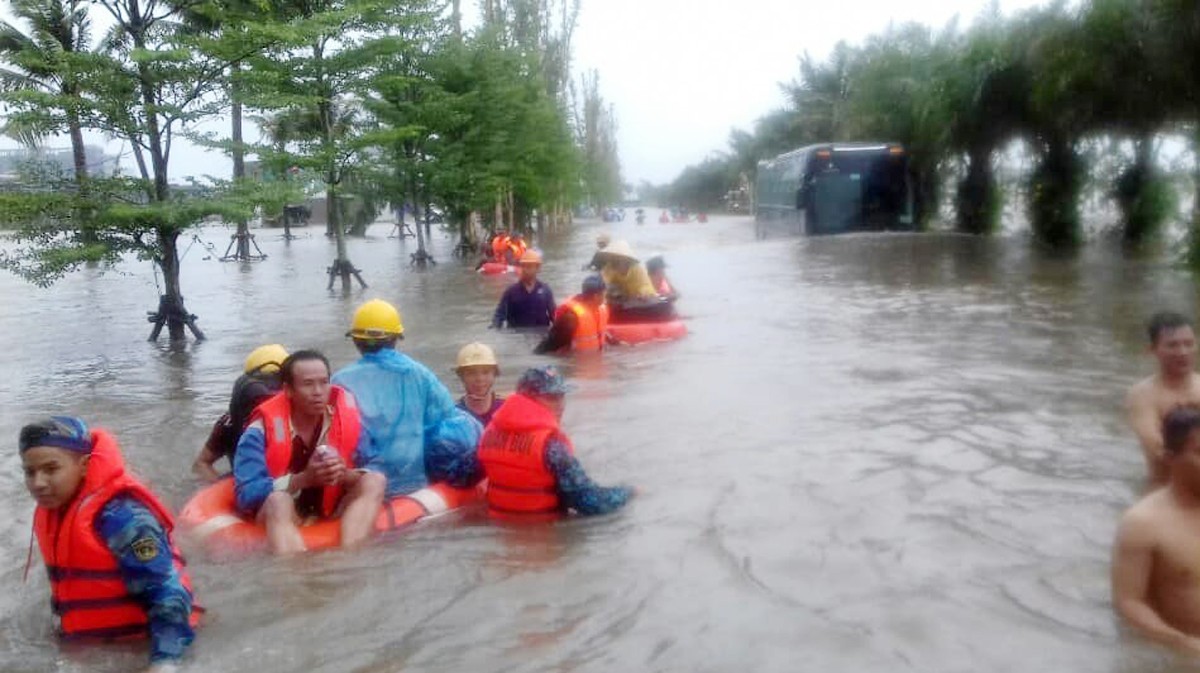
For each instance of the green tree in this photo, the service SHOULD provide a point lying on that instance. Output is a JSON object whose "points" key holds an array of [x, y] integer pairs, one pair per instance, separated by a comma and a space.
{"points": [[149, 82]]}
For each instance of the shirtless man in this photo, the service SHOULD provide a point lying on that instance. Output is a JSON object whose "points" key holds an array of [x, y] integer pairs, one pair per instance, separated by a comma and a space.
{"points": [[1156, 557], [1175, 384]]}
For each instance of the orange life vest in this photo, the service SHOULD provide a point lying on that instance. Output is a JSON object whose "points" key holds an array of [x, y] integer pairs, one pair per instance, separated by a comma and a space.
{"points": [[87, 591], [518, 249], [513, 454], [342, 435], [499, 247], [590, 325]]}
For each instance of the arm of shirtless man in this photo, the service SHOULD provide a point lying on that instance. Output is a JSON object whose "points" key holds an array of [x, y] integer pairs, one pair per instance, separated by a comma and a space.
{"points": [[1147, 425], [1133, 564]]}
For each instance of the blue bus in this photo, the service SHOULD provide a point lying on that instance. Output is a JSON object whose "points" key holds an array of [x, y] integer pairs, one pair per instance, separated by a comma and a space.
{"points": [[835, 188]]}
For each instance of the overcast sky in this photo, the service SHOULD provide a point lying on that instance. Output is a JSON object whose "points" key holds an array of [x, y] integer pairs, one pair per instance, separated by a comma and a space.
{"points": [[683, 73]]}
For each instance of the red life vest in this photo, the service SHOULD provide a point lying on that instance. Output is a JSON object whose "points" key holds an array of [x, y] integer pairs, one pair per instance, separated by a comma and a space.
{"points": [[590, 325], [513, 454], [87, 591], [342, 435]]}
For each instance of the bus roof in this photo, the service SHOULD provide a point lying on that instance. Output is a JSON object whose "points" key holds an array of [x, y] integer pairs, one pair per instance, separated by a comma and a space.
{"points": [[837, 147]]}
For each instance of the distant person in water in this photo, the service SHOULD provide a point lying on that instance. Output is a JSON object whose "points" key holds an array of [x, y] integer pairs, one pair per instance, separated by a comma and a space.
{"points": [[259, 381], [530, 463], [477, 368], [528, 302], [631, 295], [580, 324], [1154, 567], [1174, 384], [105, 538]]}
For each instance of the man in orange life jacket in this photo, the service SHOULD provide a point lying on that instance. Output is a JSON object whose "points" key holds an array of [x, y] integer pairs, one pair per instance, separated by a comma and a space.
{"points": [[106, 540], [581, 324], [530, 464], [291, 461]]}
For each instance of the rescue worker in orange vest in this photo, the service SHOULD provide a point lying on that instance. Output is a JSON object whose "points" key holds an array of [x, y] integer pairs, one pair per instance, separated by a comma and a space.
{"points": [[500, 247], [581, 324], [293, 459], [516, 248], [529, 462], [106, 540]]}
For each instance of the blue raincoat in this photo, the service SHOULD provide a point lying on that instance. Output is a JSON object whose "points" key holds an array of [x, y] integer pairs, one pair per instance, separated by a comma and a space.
{"points": [[404, 408]]}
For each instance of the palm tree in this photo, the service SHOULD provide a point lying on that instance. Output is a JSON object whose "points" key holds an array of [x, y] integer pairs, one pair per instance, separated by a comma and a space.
{"points": [[40, 60]]}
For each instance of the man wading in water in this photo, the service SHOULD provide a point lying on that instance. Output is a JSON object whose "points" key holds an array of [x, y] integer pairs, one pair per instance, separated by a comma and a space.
{"points": [[1156, 557], [1175, 384]]}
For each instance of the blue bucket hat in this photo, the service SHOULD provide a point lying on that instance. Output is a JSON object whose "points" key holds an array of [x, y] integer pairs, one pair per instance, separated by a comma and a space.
{"points": [[63, 432], [545, 380], [593, 284]]}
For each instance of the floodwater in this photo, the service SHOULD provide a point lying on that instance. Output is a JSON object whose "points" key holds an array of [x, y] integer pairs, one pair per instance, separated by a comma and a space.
{"points": [[873, 453]]}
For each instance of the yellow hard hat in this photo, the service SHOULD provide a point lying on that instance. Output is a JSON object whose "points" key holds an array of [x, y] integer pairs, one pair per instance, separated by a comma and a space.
{"points": [[530, 257], [475, 354], [376, 319], [265, 359]]}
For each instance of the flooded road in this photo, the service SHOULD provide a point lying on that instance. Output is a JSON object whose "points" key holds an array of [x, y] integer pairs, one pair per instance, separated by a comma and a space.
{"points": [[873, 453]]}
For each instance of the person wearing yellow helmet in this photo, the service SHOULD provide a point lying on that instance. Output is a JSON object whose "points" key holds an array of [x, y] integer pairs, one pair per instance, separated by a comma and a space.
{"points": [[405, 408], [476, 366], [259, 380], [528, 302]]}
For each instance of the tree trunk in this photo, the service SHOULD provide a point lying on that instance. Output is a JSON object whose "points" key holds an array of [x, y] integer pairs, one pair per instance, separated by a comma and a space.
{"points": [[168, 261], [83, 215], [422, 234], [1054, 198], [239, 160], [512, 214], [499, 221], [1193, 254], [976, 194]]}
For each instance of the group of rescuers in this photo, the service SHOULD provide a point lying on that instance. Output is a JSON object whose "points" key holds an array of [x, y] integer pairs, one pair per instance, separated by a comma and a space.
{"points": [[304, 443], [626, 291]]}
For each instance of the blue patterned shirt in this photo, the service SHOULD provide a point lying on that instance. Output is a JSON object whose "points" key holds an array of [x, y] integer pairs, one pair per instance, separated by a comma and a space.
{"points": [[125, 524]]}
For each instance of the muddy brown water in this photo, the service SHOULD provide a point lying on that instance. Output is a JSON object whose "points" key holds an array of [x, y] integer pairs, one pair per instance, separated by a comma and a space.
{"points": [[873, 453]]}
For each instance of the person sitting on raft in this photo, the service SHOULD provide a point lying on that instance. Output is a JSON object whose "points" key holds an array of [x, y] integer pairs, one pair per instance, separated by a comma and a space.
{"points": [[581, 324], [106, 540], [477, 368], [529, 462], [527, 302], [292, 460], [597, 262], [407, 413], [656, 269], [631, 294], [259, 381], [494, 249], [516, 249]]}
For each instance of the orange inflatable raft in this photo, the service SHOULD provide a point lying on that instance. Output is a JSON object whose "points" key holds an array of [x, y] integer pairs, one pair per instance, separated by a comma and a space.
{"points": [[641, 332], [495, 268], [211, 518]]}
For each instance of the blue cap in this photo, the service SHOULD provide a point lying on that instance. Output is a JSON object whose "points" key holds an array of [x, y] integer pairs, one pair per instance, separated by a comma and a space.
{"points": [[63, 432], [545, 380], [593, 284]]}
